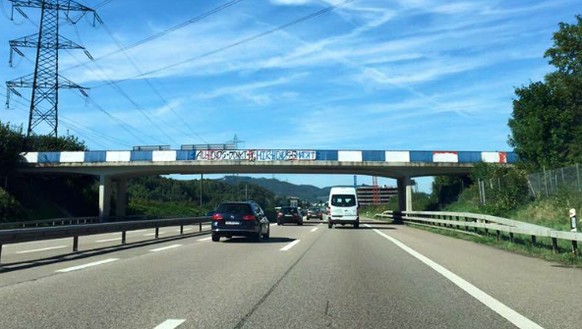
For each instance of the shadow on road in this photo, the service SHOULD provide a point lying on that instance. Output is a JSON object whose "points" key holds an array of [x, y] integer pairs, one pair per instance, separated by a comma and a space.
{"points": [[15, 266], [263, 240]]}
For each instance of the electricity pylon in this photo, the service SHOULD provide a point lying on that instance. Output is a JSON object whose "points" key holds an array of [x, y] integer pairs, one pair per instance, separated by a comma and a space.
{"points": [[46, 81]]}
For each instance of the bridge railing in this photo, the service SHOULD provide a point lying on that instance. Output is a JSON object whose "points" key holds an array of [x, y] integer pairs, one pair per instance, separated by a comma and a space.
{"points": [[486, 223], [10, 236]]}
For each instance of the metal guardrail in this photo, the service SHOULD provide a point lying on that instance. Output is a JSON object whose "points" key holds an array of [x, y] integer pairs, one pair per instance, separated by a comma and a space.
{"points": [[75, 231], [50, 222], [485, 222]]}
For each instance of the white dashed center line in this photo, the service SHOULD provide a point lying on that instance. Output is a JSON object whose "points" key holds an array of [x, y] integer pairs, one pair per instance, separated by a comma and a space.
{"points": [[314, 229], [80, 267], [41, 249], [170, 324], [290, 245], [205, 239], [167, 247]]}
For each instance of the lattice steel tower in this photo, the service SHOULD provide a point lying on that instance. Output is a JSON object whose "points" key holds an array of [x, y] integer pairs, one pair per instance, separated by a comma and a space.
{"points": [[46, 81]]}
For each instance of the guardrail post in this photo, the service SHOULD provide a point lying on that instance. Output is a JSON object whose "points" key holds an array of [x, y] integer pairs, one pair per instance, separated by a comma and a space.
{"points": [[75, 243], [555, 248], [200, 226], [533, 240], [0, 253], [575, 247], [123, 235], [181, 229], [498, 235], [511, 237], [157, 232]]}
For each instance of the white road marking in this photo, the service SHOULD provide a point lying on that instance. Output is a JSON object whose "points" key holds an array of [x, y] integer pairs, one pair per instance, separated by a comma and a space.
{"points": [[314, 229], [167, 247], [505, 311], [290, 245], [205, 239], [108, 240], [40, 249], [170, 324], [79, 267], [136, 231], [186, 229], [35, 242]]}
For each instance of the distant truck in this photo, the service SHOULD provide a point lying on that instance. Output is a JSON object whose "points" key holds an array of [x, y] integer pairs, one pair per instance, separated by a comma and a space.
{"points": [[343, 207]]}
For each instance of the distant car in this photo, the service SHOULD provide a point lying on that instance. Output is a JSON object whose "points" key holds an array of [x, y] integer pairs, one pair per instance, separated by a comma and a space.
{"points": [[314, 213], [241, 218], [289, 215]]}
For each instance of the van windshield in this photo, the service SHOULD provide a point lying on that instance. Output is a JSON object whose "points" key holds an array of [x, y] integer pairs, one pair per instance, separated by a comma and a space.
{"points": [[343, 200]]}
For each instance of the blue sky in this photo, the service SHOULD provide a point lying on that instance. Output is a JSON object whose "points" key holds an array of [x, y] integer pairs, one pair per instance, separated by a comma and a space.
{"points": [[371, 74]]}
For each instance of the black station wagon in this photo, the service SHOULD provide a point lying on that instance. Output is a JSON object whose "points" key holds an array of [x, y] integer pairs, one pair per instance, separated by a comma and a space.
{"points": [[240, 218]]}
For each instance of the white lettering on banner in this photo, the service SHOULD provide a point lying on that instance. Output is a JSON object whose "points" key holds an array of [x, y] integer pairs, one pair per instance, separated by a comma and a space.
{"points": [[255, 155]]}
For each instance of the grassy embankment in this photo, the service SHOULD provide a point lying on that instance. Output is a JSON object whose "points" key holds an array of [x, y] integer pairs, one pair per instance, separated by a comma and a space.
{"points": [[550, 212]]}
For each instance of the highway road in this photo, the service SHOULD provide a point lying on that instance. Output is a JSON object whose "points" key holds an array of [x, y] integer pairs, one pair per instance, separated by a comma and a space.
{"points": [[379, 276]]}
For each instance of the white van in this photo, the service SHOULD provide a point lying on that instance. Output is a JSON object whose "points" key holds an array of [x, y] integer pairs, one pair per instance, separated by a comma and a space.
{"points": [[343, 207]]}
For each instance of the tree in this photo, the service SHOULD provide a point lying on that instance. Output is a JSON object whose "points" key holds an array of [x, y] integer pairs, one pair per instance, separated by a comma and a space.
{"points": [[11, 144], [546, 123]]}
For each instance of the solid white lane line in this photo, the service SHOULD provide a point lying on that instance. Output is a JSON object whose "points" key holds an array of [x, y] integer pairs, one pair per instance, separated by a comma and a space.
{"points": [[170, 324], [314, 229], [40, 249], [79, 267], [290, 245], [108, 240], [167, 247], [505, 311], [205, 239]]}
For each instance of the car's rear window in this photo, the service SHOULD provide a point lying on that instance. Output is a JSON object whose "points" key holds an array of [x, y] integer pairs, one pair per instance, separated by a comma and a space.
{"points": [[234, 208], [343, 200], [289, 210]]}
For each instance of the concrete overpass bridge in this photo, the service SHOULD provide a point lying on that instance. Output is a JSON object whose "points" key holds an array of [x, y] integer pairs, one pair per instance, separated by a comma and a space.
{"points": [[114, 167]]}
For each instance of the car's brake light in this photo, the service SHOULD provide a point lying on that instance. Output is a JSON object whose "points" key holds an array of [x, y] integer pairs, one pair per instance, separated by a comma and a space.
{"points": [[217, 217], [249, 217]]}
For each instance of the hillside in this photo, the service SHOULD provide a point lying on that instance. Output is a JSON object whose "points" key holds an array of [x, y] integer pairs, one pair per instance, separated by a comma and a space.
{"points": [[283, 189]]}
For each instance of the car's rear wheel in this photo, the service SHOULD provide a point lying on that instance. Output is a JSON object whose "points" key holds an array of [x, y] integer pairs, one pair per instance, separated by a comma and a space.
{"points": [[329, 225], [215, 237], [300, 223], [356, 224]]}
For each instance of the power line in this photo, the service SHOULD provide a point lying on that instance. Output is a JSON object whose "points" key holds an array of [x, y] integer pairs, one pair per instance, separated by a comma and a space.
{"points": [[167, 31], [125, 95], [243, 41]]}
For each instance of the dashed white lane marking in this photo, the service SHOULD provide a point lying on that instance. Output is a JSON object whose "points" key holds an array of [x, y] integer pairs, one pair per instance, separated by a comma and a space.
{"points": [[314, 229], [290, 245], [505, 311], [40, 249], [170, 324], [167, 247], [108, 240], [79, 267], [205, 239]]}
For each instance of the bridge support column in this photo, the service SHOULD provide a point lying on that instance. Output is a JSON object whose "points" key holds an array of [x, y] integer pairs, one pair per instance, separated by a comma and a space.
{"points": [[405, 193], [104, 197], [121, 201]]}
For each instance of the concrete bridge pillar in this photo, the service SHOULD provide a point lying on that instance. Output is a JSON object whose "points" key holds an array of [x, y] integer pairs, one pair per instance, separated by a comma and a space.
{"points": [[104, 197], [121, 201], [405, 193]]}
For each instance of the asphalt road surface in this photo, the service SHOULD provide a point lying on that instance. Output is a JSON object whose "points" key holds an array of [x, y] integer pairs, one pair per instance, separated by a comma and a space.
{"points": [[378, 276]]}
